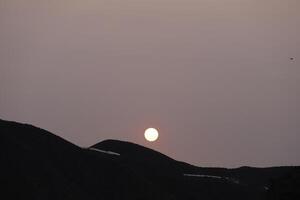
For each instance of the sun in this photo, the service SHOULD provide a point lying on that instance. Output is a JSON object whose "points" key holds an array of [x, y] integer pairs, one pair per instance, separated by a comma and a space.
{"points": [[151, 134]]}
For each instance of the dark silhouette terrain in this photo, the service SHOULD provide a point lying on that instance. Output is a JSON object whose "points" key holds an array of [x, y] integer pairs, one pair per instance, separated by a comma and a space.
{"points": [[36, 164]]}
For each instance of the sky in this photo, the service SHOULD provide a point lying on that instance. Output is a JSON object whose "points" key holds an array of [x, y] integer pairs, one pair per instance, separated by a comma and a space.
{"points": [[219, 79]]}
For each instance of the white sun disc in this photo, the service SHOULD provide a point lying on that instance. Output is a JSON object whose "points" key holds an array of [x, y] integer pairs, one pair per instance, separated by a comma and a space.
{"points": [[151, 134]]}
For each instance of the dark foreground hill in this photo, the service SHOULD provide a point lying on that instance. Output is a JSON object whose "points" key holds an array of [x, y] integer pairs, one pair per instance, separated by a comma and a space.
{"points": [[35, 164]]}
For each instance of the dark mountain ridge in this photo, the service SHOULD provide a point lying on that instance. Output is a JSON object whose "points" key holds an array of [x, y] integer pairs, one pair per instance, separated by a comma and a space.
{"points": [[36, 164], [40, 165]]}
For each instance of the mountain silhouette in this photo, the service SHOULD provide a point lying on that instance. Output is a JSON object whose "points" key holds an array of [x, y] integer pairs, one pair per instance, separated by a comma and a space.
{"points": [[36, 164]]}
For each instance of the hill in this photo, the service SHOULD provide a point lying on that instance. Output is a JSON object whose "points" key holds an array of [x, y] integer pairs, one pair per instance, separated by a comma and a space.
{"points": [[36, 164]]}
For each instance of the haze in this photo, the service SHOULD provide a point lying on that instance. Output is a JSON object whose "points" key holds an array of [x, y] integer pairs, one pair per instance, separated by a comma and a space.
{"points": [[218, 78]]}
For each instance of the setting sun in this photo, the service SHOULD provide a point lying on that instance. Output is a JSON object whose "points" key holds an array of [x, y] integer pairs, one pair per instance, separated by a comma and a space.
{"points": [[151, 134]]}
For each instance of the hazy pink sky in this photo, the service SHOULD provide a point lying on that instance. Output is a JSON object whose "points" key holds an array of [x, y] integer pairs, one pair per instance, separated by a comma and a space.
{"points": [[214, 76]]}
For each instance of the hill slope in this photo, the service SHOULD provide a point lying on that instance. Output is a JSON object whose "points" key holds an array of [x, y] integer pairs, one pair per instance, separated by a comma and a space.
{"points": [[36, 164]]}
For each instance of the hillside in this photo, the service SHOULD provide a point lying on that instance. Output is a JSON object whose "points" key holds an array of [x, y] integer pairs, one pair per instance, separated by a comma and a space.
{"points": [[36, 164]]}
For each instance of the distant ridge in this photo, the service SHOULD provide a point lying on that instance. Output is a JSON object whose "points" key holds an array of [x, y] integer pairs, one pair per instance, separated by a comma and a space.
{"points": [[36, 164]]}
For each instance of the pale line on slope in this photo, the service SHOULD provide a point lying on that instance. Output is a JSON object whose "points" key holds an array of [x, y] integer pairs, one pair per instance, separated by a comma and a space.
{"points": [[102, 151]]}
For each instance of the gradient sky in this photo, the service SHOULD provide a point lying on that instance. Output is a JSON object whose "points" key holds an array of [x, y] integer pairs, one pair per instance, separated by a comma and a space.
{"points": [[214, 76]]}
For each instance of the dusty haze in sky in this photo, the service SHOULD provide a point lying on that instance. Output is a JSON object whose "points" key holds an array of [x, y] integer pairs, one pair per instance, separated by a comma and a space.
{"points": [[220, 79]]}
